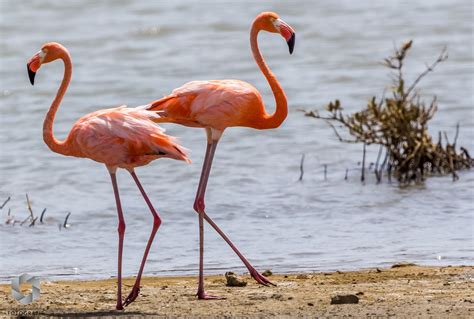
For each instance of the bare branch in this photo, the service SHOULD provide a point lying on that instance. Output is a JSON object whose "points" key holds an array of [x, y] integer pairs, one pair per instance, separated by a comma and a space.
{"points": [[442, 57], [301, 168], [5, 202]]}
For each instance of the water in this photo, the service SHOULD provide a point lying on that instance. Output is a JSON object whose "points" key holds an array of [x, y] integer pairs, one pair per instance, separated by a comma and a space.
{"points": [[135, 51]]}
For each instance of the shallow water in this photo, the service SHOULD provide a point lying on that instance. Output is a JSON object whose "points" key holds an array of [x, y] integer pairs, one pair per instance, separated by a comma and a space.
{"points": [[131, 52]]}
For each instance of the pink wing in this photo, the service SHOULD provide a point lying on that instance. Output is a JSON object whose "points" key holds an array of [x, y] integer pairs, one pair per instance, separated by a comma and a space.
{"points": [[218, 104], [123, 137]]}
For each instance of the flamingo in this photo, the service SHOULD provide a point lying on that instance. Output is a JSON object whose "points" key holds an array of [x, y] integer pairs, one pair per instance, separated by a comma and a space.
{"points": [[117, 137], [218, 104]]}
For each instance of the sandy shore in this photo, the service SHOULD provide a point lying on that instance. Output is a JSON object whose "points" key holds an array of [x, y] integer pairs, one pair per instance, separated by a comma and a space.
{"points": [[408, 291]]}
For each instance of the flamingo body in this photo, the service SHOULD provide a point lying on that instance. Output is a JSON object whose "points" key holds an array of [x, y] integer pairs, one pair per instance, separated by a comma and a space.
{"points": [[122, 137], [216, 104]]}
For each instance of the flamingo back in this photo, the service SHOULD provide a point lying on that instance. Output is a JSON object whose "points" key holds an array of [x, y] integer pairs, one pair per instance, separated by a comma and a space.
{"points": [[217, 104], [123, 137]]}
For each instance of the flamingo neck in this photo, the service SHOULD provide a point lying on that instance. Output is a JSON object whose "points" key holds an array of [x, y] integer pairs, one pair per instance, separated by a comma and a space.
{"points": [[281, 110], [48, 134]]}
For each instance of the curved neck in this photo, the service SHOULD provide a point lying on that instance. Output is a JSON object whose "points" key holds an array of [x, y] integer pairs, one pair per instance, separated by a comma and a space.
{"points": [[281, 110], [48, 134]]}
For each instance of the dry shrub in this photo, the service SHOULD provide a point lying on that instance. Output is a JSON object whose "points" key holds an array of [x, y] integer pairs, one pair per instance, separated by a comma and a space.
{"points": [[399, 124]]}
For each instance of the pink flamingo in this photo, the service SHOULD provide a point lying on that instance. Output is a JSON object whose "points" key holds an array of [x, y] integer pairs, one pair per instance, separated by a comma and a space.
{"points": [[218, 104], [118, 137]]}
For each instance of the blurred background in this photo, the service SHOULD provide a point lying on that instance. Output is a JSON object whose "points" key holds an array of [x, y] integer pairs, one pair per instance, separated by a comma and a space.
{"points": [[133, 52]]}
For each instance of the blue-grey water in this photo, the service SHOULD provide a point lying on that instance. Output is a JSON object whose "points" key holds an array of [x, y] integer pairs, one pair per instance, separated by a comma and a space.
{"points": [[132, 52]]}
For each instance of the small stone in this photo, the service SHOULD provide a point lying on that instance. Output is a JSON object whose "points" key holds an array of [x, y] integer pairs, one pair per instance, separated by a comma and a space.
{"points": [[344, 299], [233, 280], [267, 273], [400, 265], [310, 304], [290, 298], [277, 296], [360, 293]]}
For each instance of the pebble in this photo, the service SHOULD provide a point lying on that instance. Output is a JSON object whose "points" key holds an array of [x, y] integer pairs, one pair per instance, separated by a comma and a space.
{"points": [[344, 299], [233, 280], [267, 273]]}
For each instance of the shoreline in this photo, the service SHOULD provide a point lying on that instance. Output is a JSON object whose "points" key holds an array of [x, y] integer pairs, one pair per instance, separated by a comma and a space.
{"points": [[405, 290]]}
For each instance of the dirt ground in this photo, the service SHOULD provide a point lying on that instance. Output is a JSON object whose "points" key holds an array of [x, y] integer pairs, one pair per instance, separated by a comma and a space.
{"points": [[400, 292]]}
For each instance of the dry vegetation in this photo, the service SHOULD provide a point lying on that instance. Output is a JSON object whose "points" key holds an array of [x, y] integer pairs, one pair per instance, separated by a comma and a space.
{"points": [[399, 125]]}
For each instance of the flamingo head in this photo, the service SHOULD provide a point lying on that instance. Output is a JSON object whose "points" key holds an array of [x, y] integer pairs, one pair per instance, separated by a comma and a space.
{"points": [[271, 22], [49, 52]]}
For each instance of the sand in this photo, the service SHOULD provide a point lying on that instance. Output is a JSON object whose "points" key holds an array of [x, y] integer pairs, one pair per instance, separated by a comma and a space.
{"points": [[401, 292]]}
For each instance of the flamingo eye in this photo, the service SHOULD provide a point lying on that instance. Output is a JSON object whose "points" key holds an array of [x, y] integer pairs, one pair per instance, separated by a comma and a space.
{"points": [[276, 24], [42, 54]]}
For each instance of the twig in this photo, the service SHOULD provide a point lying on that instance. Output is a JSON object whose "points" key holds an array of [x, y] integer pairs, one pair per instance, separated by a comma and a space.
{"points": [[442, 57], [301, 168], [29, 206], [456, 136], [5, 202], [10, 220], [347, 173], [446, 137], [24, 221], [325, 171], [337, 133], [376, 170], [362, 176], [66, 225], [33, 221], [42, 214]]}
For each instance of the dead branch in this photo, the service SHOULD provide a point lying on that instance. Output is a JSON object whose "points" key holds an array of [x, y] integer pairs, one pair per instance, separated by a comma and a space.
{"points": [[5, 202], [301, 168]]}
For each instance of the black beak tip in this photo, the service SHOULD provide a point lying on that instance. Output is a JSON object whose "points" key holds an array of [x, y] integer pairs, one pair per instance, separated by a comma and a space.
{"points": [[291, 43], [31, 75]]}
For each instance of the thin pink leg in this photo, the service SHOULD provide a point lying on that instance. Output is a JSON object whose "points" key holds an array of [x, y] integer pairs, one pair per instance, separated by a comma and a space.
{"points": [[253, 272], [199, 207], [156, 224], [121, 232]]}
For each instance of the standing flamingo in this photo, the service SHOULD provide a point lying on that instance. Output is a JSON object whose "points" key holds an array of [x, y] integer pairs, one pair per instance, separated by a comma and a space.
{"points": [[218, 104], [118, 137]]}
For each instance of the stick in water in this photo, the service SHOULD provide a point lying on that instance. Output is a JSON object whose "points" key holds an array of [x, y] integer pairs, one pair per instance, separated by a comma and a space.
{"points": [[29, 206], [66, 225], [5, 202], [42, 214], [301, 168]]}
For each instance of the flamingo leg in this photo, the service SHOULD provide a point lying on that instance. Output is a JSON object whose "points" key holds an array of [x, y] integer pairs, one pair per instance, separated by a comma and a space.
{"points": [[156, 224], [121, 233], [199, 207]]}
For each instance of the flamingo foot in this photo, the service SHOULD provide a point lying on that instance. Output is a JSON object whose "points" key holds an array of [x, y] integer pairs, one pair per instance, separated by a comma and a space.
{"points": [[203, 296], [133, 295], [260, 278], [119, 305]]}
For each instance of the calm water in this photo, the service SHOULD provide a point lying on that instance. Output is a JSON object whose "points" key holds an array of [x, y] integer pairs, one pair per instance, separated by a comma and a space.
{"points": [[135, 51]]}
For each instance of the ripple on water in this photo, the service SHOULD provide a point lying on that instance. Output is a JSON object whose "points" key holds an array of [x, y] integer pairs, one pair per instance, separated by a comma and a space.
{"points": [[133, 52]]}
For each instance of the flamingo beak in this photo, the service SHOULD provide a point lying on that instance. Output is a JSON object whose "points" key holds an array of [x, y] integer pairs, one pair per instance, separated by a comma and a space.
{"points": [[291, 43], [288, 33], [31, 74], [33, 65]]}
